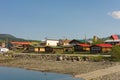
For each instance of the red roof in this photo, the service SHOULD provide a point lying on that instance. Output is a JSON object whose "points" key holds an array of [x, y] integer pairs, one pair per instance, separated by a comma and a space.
{"points": [[21, 43], [104, 45], [84, 45], [114, 37]]}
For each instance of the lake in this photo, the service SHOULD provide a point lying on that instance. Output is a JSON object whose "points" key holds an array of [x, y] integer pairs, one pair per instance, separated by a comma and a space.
{"points": [[22, 74]]}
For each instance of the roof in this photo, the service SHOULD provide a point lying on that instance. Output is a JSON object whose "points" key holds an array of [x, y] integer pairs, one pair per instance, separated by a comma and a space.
{"points": [[65, 41], [114, 37], [118, 40], [67, 46], [52, 40], [80, 41], [84, 45], [104, 45], [55, 47], [21, 43]]}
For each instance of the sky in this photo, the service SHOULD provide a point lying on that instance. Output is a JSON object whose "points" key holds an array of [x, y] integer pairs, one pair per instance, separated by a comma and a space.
{"points": [[59, 19]]}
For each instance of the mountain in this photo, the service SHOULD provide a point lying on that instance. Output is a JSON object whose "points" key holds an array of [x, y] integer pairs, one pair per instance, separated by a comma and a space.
{"points": [[4, 36], [9, 37]]}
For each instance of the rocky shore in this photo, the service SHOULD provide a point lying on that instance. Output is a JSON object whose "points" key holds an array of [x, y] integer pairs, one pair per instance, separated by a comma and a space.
{"points": [[114, 76], [64, 66]]}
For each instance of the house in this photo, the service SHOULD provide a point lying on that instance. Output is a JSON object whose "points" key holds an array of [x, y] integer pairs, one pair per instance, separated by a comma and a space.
{"points": [[64, 42], [68, 48], [101, 48], [2, 44], [48, 49], [20, 45], [54, 49], [75, 42], [39, 49], [52, 42], [113, 39], [81, 47], [43, 43]]}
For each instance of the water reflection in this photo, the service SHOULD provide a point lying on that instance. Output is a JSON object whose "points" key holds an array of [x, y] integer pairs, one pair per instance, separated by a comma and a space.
{"points": [[22, 74]]}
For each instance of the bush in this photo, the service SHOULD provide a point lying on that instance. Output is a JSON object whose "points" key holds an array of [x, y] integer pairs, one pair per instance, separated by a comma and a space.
{"points": [[9, 53], [97, 58], [115, 56]]}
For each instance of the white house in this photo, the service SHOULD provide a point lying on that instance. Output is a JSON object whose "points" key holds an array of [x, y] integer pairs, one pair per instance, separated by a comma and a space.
{"points": [[114, 40], [52, 42]]}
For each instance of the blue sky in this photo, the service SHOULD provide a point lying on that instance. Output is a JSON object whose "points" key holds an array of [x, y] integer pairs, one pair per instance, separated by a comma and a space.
{"points": [[72, 19]]}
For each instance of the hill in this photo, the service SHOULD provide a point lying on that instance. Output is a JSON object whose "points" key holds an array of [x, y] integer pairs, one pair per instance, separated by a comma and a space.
{"points": [[9, 37]]}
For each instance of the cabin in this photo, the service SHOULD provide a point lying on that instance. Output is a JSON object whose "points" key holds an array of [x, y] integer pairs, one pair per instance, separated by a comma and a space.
{"points": [[68, 48], [20, 45], [101, 48], [54, 49], [76, 42], [81, 47]]}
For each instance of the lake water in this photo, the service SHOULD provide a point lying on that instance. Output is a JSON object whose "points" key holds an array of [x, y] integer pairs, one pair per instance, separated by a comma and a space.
{"points": [[22, 74]]}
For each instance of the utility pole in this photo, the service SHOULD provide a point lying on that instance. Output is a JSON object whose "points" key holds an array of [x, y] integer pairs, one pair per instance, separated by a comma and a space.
{"points": [[85, 39]]}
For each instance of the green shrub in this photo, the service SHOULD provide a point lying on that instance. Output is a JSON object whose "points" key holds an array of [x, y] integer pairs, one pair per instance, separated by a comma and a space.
{"points": [[115, 56], [97, 58], [9, 53]]}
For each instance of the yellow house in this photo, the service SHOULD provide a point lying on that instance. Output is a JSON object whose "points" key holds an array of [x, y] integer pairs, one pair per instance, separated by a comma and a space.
{"points": [[38, 49]]}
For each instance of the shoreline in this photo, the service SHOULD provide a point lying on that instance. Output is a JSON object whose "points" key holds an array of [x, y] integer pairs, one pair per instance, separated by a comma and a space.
{"points": [[99, 73], [64, 67]]}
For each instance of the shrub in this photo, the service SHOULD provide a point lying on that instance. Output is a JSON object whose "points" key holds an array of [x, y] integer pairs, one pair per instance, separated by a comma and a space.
{"points": [[97, 58], [115, 56], [9, 53]]}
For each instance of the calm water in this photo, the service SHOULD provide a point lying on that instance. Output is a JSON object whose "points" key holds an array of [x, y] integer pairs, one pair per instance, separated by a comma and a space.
{"points": [[22, 74]]}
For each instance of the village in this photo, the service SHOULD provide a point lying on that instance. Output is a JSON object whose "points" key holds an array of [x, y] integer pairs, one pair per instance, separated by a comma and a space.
{"points": [[54, 46], [74, 57]]}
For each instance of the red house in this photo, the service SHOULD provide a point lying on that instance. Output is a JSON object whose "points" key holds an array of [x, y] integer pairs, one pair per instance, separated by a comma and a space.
{"points": [[82, 47], [100, 48]]}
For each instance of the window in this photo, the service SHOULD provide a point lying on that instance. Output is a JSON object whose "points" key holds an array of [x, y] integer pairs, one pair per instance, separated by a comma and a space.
{"points": [[95, 48]]}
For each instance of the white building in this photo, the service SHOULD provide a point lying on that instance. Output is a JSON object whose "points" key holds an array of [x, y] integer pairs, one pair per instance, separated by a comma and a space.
{"points": [[114, 40], [52, 42]]}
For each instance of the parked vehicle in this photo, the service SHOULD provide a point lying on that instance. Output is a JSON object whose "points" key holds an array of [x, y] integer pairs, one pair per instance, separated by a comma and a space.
{"points": [[4, 50]]}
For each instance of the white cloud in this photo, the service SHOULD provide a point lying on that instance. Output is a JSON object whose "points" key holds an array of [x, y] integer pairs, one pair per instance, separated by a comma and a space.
{"points": [[115, 14]]}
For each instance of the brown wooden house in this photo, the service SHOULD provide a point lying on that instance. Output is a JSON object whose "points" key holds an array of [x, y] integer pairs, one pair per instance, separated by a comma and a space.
{"points": [[68, 48], [76, 42], [20, 45], [54, 49], [81, 47], [101, 48]]}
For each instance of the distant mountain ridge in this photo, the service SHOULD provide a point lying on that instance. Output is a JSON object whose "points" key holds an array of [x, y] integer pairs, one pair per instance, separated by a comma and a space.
{"points": [[10, 37], [13, 38], [6, 36]]}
